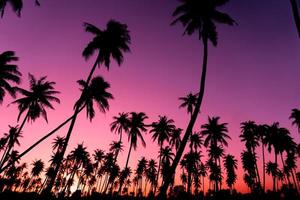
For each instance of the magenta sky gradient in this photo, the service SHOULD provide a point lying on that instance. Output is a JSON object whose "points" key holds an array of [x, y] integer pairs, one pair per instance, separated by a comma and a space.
{"points": [[253, 74]]}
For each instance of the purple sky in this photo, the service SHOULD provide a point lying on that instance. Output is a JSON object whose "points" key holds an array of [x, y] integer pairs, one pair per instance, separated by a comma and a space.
{"points": [[252, 74]]}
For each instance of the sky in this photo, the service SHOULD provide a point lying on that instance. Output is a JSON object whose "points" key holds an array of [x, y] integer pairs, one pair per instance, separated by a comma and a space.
{"points": [[252, 73]]}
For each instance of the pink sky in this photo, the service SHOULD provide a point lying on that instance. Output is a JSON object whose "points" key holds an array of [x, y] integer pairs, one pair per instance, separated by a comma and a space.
{"points": [[253, 74]]}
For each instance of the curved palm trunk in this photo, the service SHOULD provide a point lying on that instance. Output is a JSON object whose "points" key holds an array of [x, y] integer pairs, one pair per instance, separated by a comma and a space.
{"points": [[157, 177], [76, 112], [296, 15], [129, 152], [190, 125]]}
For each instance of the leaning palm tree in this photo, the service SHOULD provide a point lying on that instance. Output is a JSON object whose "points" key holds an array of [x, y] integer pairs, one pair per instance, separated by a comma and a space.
{"points": [[136, 129], [295, 116], [9, 73], [95, 92], [109, 43], [200, 17], [162, 130]]}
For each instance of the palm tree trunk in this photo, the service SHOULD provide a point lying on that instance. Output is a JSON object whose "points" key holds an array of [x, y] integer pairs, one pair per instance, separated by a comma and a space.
{"points": [[287, 175], [191, 124], [40, 140], [203, 184], [274, 177], [256, 168], [264, 170], [293, 171], [129, 152], [296, 15], [159, 163]]}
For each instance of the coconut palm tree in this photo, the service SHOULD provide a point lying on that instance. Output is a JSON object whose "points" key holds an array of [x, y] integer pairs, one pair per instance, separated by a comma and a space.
{"points": [[248, 161], [230, 164], [141, 171], [175, 138], [251, 138], [198, 17], [262, 130], [215, 134], [11, 139], [162, 130], [120, 125], [109, 43], [37, 169], [116, 147], [195, 142], [9, 73], [189, 102], [295, 116], [136, 129], [151, 173], [191, 160], [95, 92]]}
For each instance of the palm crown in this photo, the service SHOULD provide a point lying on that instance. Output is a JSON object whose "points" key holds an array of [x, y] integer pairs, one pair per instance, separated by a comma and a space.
{"points": [[8, 73], [111, 42], [39, 97]]}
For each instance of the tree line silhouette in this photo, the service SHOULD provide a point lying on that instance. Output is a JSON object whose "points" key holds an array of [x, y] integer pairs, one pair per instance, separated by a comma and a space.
{"points": [[99, 172]]}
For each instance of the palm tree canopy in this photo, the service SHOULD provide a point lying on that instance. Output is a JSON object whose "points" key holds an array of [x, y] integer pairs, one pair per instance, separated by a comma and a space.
{"points": [[80, 155], [12, 137], [38, 167], [97, 92], [196, 141], [188, 102], [250, 134], [35, 100], [162, 129], [166, 155], [120, 123], [175, 138], [215, 132], [116, 146], [295, 116], [111, 42], [58, 142], [8, 73], [201, 16], [136, 128]]}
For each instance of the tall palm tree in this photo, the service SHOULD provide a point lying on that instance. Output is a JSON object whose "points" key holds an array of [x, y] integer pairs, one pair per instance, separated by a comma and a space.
{"points": [[295, 116], [215, 134], [95, 92], [200, 17], [11, 139], [162, 130], [188, 102], [230, 164], [262, 131], [151, 173], [141, 171], [251, 138], [136, 129], [120, 125], [9, 73], [109, 43]]}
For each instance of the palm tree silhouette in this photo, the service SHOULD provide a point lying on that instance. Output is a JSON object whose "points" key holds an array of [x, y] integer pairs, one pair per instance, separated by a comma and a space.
{"points": [[140, 172], [109, 43], [295, 116], [136, 128], [10, 139], [175, 138], [272, 169], [9, 73], [262, 131], [151, 173], [162, 130], [251, 138], [116, 147], [197, 17], [248, 161], [230, 164], [189, 102], [37, 169], [120, 125], [35, 101], [216, 135]]}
